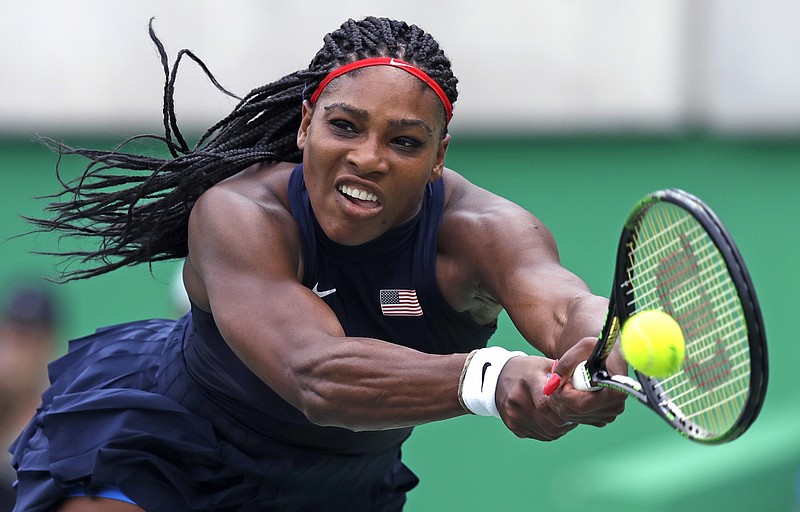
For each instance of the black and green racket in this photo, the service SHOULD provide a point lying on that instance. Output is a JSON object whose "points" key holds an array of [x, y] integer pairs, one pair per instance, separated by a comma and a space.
{"points": [[675, 256]]}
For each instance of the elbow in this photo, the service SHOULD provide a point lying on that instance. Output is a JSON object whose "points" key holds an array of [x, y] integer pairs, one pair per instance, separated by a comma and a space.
{"points": [[330, 393], [321, 407], [315, 397], [318, 410]]}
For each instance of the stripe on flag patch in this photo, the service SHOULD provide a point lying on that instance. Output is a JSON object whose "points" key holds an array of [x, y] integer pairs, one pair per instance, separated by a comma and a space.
{"points": [[400, 303]]}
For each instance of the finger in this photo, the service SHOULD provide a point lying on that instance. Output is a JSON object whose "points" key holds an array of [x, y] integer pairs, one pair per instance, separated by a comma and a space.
{"points": [[580, 400], [602, 422], [543, 431], [561, 417], [564, 428], [549, 424], [585, 407], [550, 433], [567, 363]]}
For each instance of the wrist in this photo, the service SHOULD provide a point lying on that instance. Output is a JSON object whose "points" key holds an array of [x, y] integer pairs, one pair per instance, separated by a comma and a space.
{"points": [[478, 382]]}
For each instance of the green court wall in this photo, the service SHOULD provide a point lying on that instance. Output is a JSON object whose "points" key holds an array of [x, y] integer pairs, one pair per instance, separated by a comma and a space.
{"points": [[582, 189]]}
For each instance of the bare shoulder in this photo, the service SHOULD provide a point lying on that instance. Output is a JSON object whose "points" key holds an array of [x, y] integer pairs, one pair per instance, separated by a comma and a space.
{"points": [[264, 185], [253, 199], [474, 215], [485, 243], [242, 225]]}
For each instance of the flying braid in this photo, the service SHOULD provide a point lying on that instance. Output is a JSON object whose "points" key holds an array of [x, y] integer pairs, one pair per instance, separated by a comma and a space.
{"points": [[136, 207]]}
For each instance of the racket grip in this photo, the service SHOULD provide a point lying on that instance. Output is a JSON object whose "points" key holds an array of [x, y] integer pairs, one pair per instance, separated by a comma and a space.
{"points": [[581, 379]]}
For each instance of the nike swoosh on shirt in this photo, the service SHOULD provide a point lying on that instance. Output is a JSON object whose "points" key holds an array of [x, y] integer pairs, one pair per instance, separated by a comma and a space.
{"points": [[322, 293]]}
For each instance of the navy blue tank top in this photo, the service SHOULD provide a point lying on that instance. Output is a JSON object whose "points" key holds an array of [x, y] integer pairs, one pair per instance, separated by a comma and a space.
{"points": [[384, 289]]}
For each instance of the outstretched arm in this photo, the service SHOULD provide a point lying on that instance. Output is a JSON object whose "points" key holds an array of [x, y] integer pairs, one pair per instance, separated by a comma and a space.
{"points": [[517, 264]]}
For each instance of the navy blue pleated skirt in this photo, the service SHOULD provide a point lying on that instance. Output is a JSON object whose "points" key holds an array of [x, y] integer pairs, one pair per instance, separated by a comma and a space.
{"points": [[122, 412]]}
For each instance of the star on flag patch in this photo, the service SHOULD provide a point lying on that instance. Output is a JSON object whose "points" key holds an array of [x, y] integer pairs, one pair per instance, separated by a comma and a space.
{"points": [[400, 303]]}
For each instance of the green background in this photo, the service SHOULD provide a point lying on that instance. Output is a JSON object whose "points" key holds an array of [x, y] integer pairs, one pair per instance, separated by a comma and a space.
{"points": [[582, 189]]}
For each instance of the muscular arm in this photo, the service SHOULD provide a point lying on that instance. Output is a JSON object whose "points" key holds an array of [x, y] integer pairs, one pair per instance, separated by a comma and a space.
{"points": [[510, 258], [244, 255], [549, 305], [515, 262]]}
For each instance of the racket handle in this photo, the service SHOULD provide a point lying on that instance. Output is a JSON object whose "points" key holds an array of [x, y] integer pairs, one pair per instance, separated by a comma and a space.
{"points": [[581, 379]]}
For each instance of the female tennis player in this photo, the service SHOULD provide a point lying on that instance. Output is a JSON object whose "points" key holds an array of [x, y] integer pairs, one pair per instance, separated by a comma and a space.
{"points": [[343, 288]]}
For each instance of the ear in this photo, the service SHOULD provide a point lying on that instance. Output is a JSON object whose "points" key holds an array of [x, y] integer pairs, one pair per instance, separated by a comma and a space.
{"points": [[438, 167], [305, 122]]}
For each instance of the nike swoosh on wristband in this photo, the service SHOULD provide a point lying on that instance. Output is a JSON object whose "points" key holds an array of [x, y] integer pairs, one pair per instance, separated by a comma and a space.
{"points": [[322, 293], [483, 373]]}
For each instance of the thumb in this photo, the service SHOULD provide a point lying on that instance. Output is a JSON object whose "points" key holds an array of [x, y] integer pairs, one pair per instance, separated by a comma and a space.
{"points": [[565, 366]]}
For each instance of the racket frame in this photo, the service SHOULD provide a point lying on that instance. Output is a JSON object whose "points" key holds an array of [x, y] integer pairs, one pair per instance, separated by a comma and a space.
{"points": [[648, 389]]}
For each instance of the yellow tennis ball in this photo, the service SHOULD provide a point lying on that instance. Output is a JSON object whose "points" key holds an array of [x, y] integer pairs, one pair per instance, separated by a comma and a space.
{"points": [[652, 342]]}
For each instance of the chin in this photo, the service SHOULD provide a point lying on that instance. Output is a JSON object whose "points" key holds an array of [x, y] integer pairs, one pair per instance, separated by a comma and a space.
{"points": [[348, 233]]}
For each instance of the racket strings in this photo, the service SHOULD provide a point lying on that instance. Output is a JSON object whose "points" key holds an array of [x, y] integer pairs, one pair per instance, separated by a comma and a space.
{"points": [[675, 266]]}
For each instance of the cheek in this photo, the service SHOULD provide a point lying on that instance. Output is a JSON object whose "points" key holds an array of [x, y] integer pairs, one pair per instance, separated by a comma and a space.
{"points": [[316, 152], [412, 194]]}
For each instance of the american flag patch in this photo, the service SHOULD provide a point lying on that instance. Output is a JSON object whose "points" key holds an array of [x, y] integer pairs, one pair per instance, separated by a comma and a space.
{"points": [[400, 303]]}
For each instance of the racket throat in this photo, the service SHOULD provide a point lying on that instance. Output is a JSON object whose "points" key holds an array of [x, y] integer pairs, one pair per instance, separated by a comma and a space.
{"points": [[582, 377]]}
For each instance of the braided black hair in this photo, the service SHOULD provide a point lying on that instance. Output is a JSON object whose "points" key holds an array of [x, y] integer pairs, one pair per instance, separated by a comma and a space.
{"points": [[141, 214]]}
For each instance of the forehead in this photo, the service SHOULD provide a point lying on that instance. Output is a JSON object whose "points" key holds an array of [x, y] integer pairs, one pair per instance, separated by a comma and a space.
{"points": [[389, 87]]}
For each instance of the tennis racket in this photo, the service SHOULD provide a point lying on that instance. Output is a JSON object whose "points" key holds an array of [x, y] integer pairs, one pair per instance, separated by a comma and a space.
{"points": [[674, 255]]}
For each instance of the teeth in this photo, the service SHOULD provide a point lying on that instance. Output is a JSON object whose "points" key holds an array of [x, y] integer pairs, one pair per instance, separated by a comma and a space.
{"points": [[357, 194]]}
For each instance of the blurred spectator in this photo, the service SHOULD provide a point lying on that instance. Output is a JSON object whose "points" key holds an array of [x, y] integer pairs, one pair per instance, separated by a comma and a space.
{"points": [[28, 325]]}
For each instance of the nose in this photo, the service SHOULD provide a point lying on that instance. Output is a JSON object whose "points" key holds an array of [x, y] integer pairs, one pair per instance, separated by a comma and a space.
{"points": [[368, 156]]}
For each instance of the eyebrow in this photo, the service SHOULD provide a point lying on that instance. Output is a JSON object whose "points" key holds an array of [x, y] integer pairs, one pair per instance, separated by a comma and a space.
{"points": [[363, 115], [350, 109]]}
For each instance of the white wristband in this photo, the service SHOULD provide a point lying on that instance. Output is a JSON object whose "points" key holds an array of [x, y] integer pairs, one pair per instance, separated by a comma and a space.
{"points": [[479, 379]]}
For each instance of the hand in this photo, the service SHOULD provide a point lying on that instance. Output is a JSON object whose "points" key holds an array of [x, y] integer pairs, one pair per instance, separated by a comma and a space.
{"points": [[523, 407], [597, 408]]}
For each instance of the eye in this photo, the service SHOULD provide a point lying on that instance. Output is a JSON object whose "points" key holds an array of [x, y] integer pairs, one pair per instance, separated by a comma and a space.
{"points": [[407, 142], [343, 126]]}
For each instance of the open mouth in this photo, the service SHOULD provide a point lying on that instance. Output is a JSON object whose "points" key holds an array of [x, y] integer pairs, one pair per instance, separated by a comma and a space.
{"points": [[359, 197]]}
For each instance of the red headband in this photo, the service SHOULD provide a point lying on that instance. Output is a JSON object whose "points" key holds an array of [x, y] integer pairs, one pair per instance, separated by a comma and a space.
{"points": [[386, 61]]}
